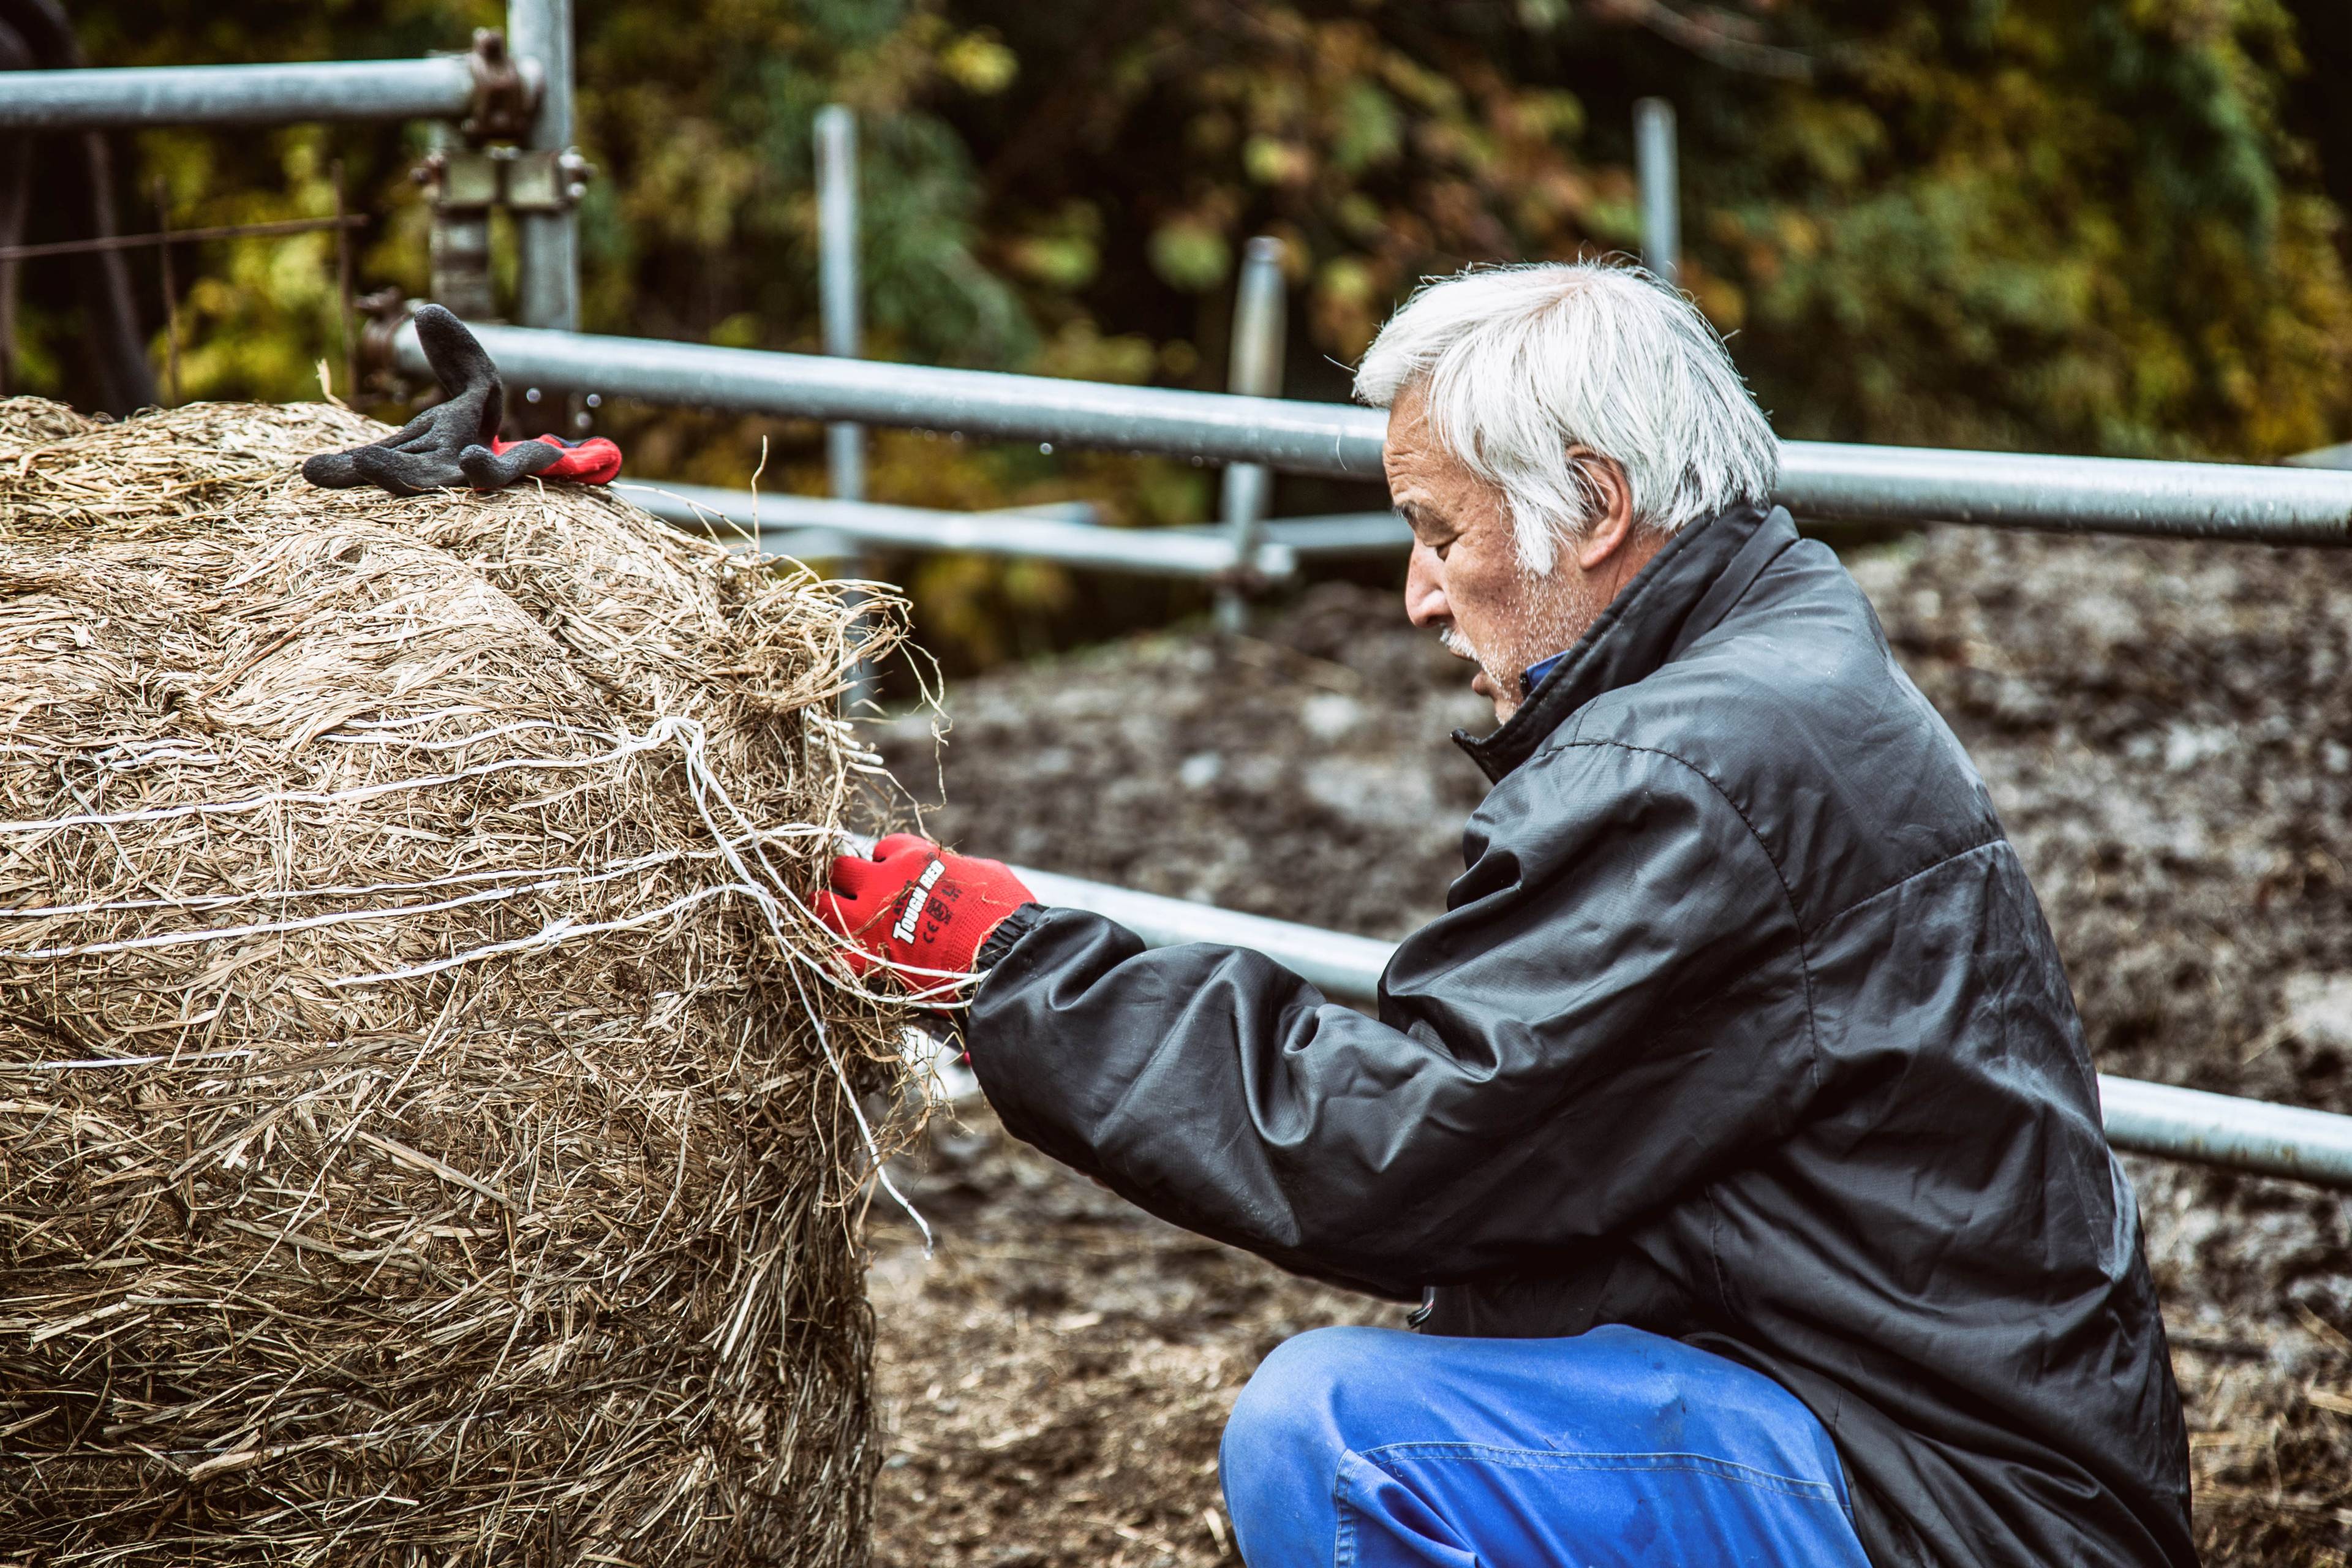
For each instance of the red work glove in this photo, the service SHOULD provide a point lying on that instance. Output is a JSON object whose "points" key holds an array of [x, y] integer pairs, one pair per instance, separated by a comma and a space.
{"points": [[594, 461], [915, 908]]}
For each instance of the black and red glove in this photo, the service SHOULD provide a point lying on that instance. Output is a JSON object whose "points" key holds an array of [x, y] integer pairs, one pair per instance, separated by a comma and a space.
{"points": [[455, 441], [917, 910]]}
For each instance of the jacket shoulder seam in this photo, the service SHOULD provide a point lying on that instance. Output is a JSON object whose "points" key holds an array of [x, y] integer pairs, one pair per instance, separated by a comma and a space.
{"points": [[1993, 841], [1788, 893]]}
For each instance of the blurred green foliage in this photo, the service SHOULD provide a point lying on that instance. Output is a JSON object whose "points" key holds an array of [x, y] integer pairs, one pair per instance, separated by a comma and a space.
{"points": [[2099, 226]]}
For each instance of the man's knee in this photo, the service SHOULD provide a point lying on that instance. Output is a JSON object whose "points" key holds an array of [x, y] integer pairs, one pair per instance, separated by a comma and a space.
{"points": [[1288, 1429], [1298, 1394]]}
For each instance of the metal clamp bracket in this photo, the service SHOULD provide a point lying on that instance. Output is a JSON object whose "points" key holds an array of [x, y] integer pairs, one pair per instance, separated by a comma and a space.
{"points": [[545, 181], [506, 93], [518, 179]]}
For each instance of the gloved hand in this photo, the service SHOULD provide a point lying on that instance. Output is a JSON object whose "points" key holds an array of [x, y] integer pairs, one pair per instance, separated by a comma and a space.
{"points": [[455, 441], [914, 907]]}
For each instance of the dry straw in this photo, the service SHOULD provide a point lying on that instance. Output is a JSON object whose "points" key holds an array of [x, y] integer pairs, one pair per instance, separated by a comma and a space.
{"points": [[426, 1117]]}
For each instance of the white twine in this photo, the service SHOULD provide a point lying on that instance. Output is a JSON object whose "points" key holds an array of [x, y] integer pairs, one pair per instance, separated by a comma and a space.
{"points": [[773, 900], [554, 933], [355, 890], [128, 1061], [701, 781], [627, 747], [314, 923]]}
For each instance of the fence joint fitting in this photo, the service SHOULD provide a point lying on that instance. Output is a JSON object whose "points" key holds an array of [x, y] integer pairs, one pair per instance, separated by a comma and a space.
{"points": [[385, 313], [505, 96]]}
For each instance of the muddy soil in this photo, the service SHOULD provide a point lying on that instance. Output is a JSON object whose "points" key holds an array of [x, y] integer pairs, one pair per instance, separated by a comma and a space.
{"points": [[2168, 731]]}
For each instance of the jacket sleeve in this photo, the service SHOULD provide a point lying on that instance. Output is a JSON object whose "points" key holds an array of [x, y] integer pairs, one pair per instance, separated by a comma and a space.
{"points": [[1539, 1071]]}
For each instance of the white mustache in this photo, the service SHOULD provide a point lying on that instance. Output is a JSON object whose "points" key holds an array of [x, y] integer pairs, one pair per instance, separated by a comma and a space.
{"points": [[1454, 643]]}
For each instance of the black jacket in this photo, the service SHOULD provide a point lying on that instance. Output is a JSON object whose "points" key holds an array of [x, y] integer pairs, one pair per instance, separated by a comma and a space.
{"points": [[1743, 1027]]}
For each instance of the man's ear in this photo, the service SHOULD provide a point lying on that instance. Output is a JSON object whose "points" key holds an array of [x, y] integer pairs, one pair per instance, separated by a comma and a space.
{"points": [[1611, 494]]}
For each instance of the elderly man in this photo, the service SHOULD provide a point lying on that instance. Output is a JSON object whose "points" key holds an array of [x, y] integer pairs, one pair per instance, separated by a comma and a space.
{"points": [[1733, 1126]]}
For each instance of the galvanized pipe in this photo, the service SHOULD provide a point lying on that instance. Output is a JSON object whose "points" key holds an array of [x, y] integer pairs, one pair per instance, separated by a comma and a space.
{"points": [[2212, 500], [2068, 495], [1338, 533], [437, 88], [547, 281], [2154, 1119], [734, 526], [1343, 533], [1303, 438], [1332, 961], [836, 282], [784, 524], [1255, 372], [837, 306], [1655, 168], [2255, 1135]]}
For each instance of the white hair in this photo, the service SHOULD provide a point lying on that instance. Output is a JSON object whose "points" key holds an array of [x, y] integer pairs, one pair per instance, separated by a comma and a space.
{"points": [[1520, 363]]}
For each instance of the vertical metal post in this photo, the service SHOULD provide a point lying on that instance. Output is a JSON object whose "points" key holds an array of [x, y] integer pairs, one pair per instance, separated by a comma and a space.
{"points": [[836, 224], [1654, 163], [1255, 372], [548, 282], [837, 292], [458, 246]]}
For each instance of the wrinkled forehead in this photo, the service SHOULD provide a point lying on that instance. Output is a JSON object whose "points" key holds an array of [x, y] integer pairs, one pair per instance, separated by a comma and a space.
{"points": [[1419, 461], [1411, 443]]}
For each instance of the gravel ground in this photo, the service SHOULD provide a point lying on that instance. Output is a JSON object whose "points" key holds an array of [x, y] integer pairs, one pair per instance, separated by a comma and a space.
{"points": [[2168, 731]]}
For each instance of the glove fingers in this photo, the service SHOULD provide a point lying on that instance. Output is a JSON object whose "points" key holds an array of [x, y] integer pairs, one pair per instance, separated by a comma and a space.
{"points": [[489, 471], [838, 916], [416, 429], [429, 431], [850, 917], [402, 473], [844, 920], [485, 470], [456, 358], [332, 471], [899, 843], [493, 410], [537, 457], [854, 878], [533, 457]]}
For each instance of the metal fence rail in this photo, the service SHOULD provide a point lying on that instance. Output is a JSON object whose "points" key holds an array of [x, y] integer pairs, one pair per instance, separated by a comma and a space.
{"points": [[1215, 426], [814, 527], [2212, 500], [439, 88], [2068, 495], [2154, 1119], [1341, 534]]}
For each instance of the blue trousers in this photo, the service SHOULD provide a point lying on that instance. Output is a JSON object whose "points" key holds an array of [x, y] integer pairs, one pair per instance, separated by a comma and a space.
{"points": [[1377, 1448]]}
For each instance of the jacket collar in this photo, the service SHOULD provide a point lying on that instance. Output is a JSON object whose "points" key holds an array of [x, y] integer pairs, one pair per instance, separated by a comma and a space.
{"points": [[1679, 593]]}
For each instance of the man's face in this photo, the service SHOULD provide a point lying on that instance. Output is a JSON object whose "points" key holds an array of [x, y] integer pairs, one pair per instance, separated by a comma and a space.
{"points": [[1466, 580]]}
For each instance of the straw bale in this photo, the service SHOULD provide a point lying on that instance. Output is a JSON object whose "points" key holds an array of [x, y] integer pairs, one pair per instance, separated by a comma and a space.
{"points": [[428, 1121]]}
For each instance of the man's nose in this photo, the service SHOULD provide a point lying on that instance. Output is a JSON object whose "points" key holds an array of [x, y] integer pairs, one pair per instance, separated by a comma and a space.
{"points": [[1424, 588]]}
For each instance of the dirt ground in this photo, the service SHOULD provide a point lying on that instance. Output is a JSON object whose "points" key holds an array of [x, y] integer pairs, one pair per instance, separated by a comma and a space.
{"points": [[2168, 731]]}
